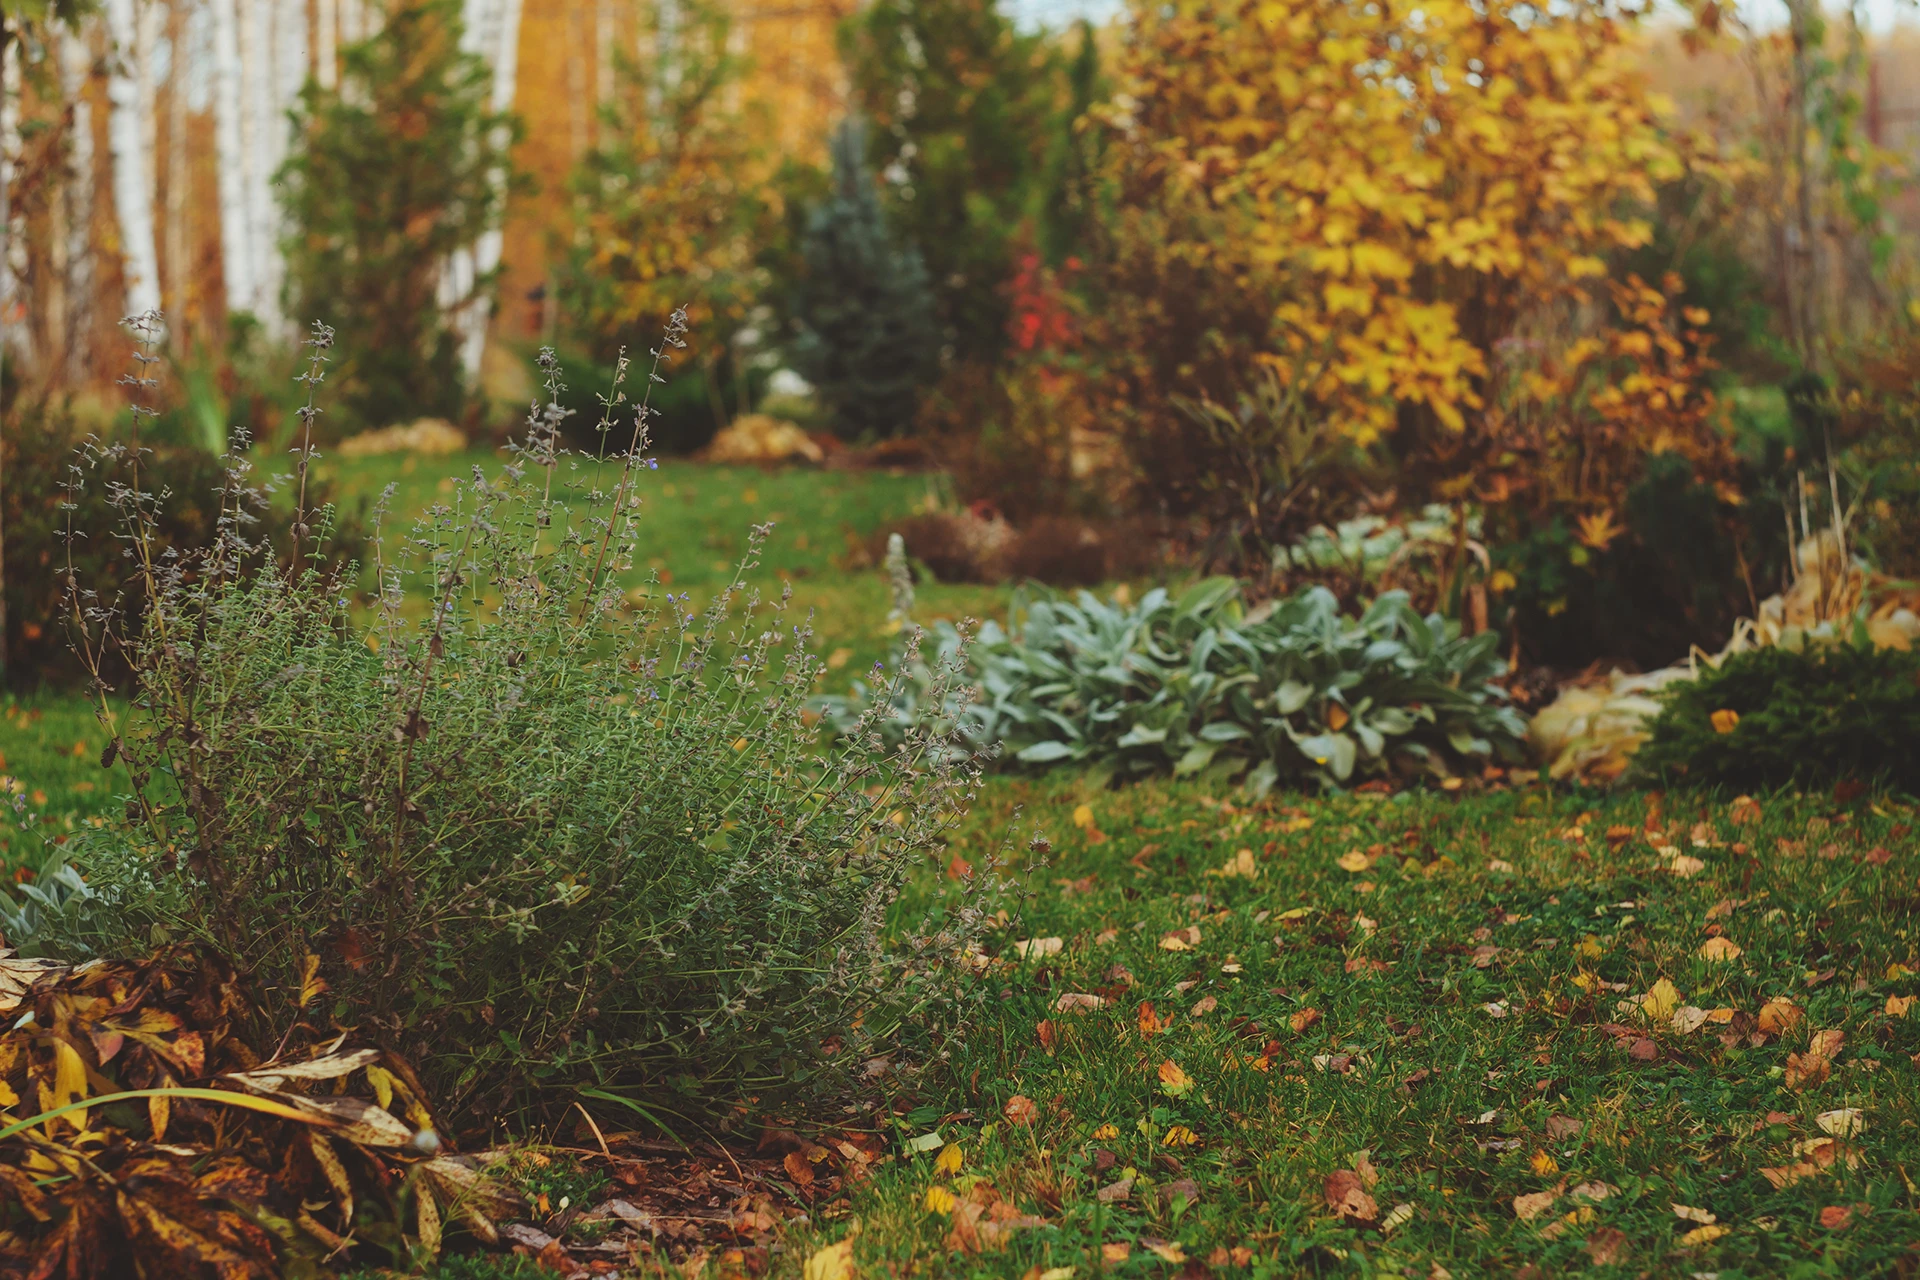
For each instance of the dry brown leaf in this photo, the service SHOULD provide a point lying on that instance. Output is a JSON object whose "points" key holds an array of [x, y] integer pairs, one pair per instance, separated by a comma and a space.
{"points": [[1778, 1016], [1720, 949], [1115, 1251], [1303, 1019], [1606, 1246], [1528, 1207], [1690, 1213], [1346, 1195], [1898, 1006], [1204, 1006], [1078, 1002], [1020, 1110]]}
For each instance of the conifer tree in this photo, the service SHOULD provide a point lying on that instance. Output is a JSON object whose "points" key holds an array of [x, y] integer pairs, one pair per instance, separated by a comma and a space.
{"points": [[868, 340], [393, 173]]}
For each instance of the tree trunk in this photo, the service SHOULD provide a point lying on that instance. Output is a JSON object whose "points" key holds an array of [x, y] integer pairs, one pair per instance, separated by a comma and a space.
{"points": [[230, 153], [499, 42], [129, 124], [178, 208], [326, 54], [76, 72]]}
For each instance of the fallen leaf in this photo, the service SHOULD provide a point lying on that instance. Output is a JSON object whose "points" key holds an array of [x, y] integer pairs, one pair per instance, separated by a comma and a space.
{"points": [[1592, 1192], [1353, 860], [1079, 1002], [1844, 1123], [835, 1262], [1180, 1136], [941, 1201], [1528, 1207], [1020, 1110], [1835, 1216], [1606, 1246], [1106, 1133], [949, 1159], [1165, 1250], [1347, 1196], [1181, 939], [1661, 1001], [1744, 811], [1778, 1016], [1897, 1006], [1544, 1164], [1115, 1192], [1720, 949], [799, 1169], [1034, 948], [1643, 1050], [1783, 1176], [1044, 1030], [1118, 1251], [1083, 816], [1705, 1235], [1204, 1006], [1688, 1018], [1725, 720], [1692, 1214], [1398, 1216], [1685, 865], [1559, 1127], [1303, 1019], [1177, 1083], [1241, 865]]}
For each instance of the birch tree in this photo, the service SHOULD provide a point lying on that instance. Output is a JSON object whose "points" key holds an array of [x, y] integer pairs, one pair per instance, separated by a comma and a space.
{"points": [[129, 126], [230, 152], [492, 33], [76, 205]]}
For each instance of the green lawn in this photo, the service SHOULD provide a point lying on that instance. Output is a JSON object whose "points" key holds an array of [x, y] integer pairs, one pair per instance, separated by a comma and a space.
{"points": [[1447, 996], [1508, 1031]]}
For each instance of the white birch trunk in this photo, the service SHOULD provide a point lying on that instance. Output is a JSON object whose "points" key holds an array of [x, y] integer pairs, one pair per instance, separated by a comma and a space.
{"points": [[16, 338], [259, 128], [326, 53], [501, 46], [76, 198], [127, 133], [230, 150], [179, 272]]}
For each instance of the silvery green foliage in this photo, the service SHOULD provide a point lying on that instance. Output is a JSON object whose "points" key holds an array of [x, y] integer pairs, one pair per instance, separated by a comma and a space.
{"points": [[541, 837], [1194, 684]]}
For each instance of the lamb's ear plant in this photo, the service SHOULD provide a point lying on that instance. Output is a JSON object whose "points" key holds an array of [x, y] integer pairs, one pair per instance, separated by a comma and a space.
{"points": [[542, 839]]}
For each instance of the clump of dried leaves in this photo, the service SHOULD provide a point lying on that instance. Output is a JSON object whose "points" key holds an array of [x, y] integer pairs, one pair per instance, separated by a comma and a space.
{"points": [[140, 1133]]}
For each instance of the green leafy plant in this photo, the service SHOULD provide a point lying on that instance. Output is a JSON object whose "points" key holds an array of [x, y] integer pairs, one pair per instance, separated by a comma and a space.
{"points": [[1195, 684], [1777, 716], [543, 840]]}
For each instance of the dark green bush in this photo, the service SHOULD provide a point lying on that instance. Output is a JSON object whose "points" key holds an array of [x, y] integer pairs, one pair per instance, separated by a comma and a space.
{"points": [[542, 844], [1825, 714]]}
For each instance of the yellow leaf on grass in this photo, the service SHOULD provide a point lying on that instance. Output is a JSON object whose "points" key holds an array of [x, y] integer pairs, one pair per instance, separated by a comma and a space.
{"points": [[1106, 1133], [1844, 1123], [1705, 1235], [1176, 1082], [69, 1085], [1661, 1001], [1033, 948], [1545, 1165], [1897, 1006], [1353, 860], [940, 1200], [948, 1161], [1083, 816], [1725, 720], [1720, 949], [1690, 1213], [1241, 864], [1779, 1016], [835, 1262], [312, 985], [1180, 1136]]}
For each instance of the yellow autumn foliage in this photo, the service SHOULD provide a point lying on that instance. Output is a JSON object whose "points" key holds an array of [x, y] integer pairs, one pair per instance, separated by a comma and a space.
{"points": [[1441, 193]]}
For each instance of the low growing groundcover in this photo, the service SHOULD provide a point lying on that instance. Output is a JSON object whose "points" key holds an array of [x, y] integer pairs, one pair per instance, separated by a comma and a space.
{"points": [[1516, 1033]]}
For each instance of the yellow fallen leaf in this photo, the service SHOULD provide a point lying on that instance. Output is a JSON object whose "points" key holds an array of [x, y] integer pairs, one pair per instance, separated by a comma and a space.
{"points": [[1176, 1082], [1032, 948], [1241, 864], [1544, 1164], [1705, 1235], [1353, 860], [1180, 1136], [1720, 949], [1685, 865], [835, 1262], [1083, 816], [1897, 1006], [1779, 1016], [1106, 1133], [940, 1200], [1165, 1250], [1725, 720], [1115, 1251], [948, 1161], [1661, 1001], [1690, 1213]]}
